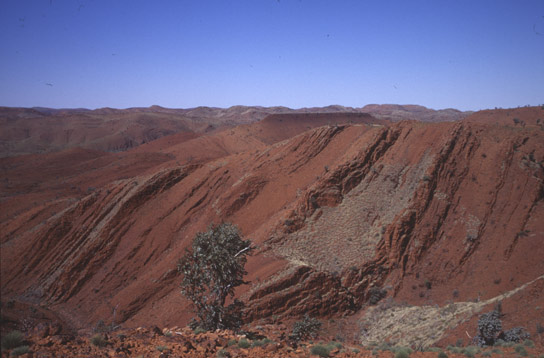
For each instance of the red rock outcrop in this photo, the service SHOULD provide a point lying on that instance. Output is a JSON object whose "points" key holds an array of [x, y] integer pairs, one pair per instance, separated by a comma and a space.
{"points": [[418, 209]]}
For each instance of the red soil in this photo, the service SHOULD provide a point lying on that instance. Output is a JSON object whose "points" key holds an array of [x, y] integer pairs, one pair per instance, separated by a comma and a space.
{"points": [[336, 204]]}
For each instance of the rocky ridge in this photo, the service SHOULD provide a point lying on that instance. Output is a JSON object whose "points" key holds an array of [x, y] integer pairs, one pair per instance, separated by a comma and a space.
{"points": [[421, 214]]}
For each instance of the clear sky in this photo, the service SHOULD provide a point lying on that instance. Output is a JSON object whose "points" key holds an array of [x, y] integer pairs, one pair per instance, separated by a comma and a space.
{"points": [[461, 54]]}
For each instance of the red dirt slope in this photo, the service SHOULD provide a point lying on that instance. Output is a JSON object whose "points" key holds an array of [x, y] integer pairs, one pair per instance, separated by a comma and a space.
{"points": [[417, 209]]}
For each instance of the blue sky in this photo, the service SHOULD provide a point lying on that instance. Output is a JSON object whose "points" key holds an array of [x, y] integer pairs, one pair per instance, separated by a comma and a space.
{"points": [[467, 55]]}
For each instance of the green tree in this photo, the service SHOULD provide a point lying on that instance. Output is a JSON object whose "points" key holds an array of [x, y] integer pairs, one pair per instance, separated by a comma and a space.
{"points": [[211, 270]]}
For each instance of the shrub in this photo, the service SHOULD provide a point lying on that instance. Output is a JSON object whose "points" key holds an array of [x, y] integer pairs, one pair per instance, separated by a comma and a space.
{"points": [[98, 340], [231, 342], [163, 348], [306, 328], [320, 350], [442, 355], [471, 349], [355, 350], [489, 330], [20, 351], [332, 345], [528, 343], [521, 350], [211, 273], [385, 346], [489, 327], [258, 343], [516, 335], [428, 284], [100, 327], [198, 330], [12, 340], [454, 349], [402, 353], [244, 343], [376, 294], [222, 354]]}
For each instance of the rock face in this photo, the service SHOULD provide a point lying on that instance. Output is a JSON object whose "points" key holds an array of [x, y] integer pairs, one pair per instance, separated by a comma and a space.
{"points": [[344, 209]]}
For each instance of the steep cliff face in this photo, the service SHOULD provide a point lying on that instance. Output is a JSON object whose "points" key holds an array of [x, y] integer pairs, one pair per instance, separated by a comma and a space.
{"points": [[419, 210]]}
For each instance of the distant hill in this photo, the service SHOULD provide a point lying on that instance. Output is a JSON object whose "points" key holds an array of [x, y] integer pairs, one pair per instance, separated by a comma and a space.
{"points": [[42, 130]]}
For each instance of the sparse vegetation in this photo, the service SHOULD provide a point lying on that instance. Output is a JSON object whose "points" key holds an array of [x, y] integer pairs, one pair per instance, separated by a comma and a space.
{"points": [[402, 352], [12, 340], [454, 349], [163, 348], [489, 327], [490, 330], [442, 354], [376, 294], [198, 330], [428, 284], [305, 329], [20, 351], [520, 349], [333, 345], [211, 273], [470, 351], [98, 340], [516, 335], [244, 343], [258, 343], [222, 353], [320, 350]]}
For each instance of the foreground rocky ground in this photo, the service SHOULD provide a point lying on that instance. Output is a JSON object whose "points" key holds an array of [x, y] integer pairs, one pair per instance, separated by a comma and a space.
{"points": [[267, 341]]}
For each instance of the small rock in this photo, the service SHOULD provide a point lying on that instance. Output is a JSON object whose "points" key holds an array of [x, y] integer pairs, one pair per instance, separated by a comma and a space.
{"points": [[187, 346], [271, 348], [41, 330], [55, 328], [60, 340], [45, 342]]}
